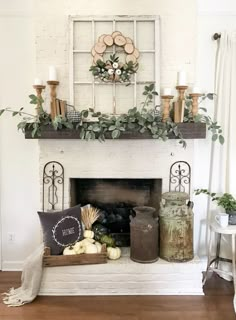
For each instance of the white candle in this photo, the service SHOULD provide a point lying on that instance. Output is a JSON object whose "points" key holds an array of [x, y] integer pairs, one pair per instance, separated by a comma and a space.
{"points": [[52, 74], [196, 90], [181, 78], [166, 92], [38, 82]]}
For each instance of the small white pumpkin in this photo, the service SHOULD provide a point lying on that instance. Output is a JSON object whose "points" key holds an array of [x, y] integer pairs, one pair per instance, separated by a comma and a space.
{"points": [[79, 247], [99, 246], [69, 251], [91, 248], [87, 241], [88, 234], [113, 253]]}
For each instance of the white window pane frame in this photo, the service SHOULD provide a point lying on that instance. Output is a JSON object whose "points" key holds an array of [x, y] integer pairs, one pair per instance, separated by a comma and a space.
{"points": [[94, 83]]}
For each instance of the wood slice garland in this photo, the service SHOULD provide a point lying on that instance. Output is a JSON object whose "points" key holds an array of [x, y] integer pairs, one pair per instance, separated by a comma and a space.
{"points": [[108, 40], [115, 33], [97, 57], [120, 40], [100, 47], [101, 38], [136, 53], [128, 40], [113, 69], [131, 57], [129, 48], [93, 51]]}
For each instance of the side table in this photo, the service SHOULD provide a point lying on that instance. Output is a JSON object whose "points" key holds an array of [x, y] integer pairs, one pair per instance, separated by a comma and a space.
{"points": [[213, 261]]}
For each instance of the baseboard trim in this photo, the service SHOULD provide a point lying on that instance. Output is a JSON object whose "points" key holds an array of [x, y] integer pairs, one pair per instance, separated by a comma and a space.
{"points": [[12, 265]]}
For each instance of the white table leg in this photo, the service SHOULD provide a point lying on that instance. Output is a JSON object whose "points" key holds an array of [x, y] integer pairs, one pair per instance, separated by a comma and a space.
{"points": [[233, 268]]}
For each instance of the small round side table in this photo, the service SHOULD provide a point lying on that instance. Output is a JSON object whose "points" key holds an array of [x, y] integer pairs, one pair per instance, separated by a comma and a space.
{"points": [[213, 261]]}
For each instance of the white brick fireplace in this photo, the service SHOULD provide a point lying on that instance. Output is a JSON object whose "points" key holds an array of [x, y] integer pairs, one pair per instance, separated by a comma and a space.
{"points": [[119, 159]]}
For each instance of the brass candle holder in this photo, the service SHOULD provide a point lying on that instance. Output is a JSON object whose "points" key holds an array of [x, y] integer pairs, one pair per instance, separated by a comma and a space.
{"points": [[195, 97], [166, 107], [39, 89], [179, 104], [53, 85]]}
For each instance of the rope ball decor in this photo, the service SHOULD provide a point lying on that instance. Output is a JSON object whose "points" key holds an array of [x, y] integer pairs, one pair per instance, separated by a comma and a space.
{"points": [[113, 70]]}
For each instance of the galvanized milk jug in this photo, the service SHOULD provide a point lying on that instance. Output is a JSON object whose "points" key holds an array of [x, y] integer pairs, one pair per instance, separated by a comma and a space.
{"points": [[144, 235], [176, 227]]}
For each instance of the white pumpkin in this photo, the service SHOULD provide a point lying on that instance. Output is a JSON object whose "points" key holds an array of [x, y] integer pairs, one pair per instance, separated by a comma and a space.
{"points": [[69, 251], [79, 247], [88, 234], [91, 248], [113, 253], [87, 241], [99, 246]]}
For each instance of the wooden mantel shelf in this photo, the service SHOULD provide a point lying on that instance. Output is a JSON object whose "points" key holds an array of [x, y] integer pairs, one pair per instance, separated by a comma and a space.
{"points": [[189, 131]]}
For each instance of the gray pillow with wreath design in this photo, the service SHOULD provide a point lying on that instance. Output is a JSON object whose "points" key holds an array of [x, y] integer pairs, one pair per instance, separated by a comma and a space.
{"points": [[61, 228]]}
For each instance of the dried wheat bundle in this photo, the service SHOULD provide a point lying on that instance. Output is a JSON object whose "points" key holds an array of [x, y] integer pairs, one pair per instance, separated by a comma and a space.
{"points": [[89, 216]]}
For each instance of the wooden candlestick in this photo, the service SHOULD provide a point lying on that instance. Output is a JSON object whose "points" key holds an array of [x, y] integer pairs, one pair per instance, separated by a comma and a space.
{"points": [[53, 85], [195, 97], [179, 104], [39, 89], [166, 107]]}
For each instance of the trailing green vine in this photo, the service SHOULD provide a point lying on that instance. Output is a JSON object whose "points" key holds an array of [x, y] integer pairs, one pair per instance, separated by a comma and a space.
{"points": [[146, 120], [212, 126]]}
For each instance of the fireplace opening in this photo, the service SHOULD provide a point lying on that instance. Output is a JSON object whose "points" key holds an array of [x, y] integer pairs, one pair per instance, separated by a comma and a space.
{"points": [[116, 199]]}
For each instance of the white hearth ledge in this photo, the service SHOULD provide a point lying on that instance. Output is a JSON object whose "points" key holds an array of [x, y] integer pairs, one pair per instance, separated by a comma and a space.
{"points": [[125, 277]]}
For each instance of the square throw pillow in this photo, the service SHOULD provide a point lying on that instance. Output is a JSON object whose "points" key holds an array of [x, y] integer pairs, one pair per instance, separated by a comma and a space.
{"points": [[61, 228]]}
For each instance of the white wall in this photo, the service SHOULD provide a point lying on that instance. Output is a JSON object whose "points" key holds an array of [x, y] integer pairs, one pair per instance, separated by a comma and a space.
{"points": [[181, 40], [19, 194]]}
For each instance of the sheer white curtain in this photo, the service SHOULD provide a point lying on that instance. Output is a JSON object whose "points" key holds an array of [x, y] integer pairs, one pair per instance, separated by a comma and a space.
{"points": [[223, 158]]}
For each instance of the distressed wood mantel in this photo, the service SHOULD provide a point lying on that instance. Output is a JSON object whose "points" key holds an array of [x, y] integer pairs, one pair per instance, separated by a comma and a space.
{"points": [[189, 131]]}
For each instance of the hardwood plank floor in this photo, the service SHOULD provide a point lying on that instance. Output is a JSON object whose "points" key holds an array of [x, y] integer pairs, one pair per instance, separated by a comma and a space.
{"points": [[217, 304]]}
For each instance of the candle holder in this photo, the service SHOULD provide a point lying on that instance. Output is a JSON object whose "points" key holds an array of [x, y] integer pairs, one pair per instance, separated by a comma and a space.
{"points": [[179, 104], [39, 89], [166, 107], [53, 85], [195, 97]]}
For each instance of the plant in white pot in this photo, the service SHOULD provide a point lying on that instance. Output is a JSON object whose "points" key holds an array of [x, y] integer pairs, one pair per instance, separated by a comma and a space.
{"points": [[225, 201]]}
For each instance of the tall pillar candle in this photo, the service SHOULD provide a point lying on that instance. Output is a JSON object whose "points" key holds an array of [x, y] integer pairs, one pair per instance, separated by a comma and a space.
{"points": [[38, 82], [52, 73], [166, 92], [181, 81]]}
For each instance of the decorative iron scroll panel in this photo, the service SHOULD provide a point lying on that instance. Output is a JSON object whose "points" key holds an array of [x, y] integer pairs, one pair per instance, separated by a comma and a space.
{"points": [[53, 185], [180, 177]]}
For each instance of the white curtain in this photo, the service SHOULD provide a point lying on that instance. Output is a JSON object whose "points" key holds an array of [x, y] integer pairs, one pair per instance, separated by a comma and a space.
{"points": [[223, 158]]}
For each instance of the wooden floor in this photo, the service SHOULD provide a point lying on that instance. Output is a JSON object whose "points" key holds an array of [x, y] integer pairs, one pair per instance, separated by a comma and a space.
{"points": [[215, 305]]}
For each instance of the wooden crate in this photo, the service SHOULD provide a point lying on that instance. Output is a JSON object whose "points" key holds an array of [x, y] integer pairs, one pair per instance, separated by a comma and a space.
{"points": [[71, 260]]}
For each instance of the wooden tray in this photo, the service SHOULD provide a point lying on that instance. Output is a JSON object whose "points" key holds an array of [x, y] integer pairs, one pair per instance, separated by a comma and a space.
{"points": [[71, 260]]}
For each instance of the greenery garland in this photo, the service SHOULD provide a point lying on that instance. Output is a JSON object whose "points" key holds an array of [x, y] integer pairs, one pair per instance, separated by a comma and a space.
{"points": [[147, 119]]}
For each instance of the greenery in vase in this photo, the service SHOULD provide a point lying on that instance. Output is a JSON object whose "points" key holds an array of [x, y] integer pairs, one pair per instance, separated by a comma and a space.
{"points": [[226, 201]]}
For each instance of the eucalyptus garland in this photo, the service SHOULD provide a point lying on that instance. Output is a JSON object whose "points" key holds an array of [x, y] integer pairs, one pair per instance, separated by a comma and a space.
{"points": [[144, 120]]}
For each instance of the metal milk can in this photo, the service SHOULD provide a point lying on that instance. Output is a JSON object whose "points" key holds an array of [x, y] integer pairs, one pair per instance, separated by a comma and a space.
{"points": [[144, 235], [176, 227]]}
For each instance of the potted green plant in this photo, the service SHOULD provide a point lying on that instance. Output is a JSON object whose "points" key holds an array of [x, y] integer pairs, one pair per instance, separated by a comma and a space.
{"points": [[226, 201]]}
